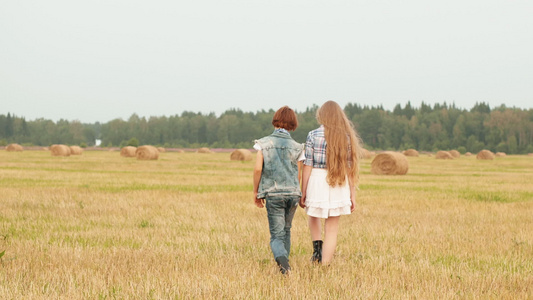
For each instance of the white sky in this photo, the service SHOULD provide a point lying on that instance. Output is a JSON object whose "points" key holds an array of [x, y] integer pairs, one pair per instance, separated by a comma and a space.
{"points": [[102, 59]]}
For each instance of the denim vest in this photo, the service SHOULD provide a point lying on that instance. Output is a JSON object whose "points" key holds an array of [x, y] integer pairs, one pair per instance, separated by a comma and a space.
{"points": [[280, 166]]}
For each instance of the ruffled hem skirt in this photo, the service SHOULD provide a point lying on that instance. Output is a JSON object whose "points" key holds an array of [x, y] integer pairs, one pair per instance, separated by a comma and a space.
{"points": [[322, 200]]}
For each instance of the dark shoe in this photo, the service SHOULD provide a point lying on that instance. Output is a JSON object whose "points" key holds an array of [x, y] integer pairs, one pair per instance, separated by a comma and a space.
{"points": [[283, 263], [317, 252]]}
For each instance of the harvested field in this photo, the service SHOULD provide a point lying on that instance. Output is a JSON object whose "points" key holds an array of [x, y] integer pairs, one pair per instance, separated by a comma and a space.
{"points": [[185, 227]]}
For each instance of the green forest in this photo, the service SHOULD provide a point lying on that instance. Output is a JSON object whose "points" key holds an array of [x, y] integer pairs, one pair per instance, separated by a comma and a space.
{"points": [[424, 128]]}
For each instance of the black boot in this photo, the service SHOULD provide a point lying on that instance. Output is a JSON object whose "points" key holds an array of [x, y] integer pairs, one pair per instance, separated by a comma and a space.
{"points": [[283, 263], [317, 252]]}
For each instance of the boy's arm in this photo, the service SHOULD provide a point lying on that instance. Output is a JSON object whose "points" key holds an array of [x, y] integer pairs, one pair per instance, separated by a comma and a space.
{"points": [[306, 173], [258, 170], [300, 166]]}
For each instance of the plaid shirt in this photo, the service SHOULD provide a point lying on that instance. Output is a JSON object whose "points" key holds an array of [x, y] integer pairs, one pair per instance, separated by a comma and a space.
{"points": [[315, 148]]}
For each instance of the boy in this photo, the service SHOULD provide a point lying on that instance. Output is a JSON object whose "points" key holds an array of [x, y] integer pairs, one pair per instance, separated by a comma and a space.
{"points": [[276, 182]]}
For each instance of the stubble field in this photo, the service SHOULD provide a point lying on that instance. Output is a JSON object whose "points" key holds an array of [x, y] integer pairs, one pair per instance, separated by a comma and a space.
{"points": [[100, 226]]}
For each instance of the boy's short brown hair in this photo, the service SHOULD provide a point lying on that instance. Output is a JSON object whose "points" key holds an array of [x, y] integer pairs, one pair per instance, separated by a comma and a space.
{"points": [[285, 118]]}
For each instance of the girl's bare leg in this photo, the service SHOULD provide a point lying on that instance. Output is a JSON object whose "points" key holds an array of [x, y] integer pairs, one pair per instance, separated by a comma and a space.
{"points": [[331, 228], [315, 228]]}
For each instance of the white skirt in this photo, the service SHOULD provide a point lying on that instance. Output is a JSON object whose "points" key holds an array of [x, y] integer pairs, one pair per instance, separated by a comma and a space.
{"points": [[322, 200]]}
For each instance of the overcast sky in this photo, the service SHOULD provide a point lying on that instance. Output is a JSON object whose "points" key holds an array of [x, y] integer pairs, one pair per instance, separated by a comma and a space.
{"points": [[100, 60]]}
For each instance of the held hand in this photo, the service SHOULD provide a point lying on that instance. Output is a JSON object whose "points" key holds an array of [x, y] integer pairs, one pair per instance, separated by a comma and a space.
{"points": [[259, 202], [302, 201], [352, 208]]}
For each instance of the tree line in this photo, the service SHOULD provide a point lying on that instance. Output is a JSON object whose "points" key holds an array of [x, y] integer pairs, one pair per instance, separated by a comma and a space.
{"points": [[424, 128]]}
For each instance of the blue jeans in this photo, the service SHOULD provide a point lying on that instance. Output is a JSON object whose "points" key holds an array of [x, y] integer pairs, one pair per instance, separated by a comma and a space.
{"points": [[280, 211]]}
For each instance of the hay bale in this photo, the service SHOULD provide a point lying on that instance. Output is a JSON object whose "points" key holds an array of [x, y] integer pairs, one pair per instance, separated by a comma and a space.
{"points": [[76, 150], [147, 152], [530, 154], [411, 152], [161, 149], [390, 163], [468, 154], [128, 151], [241, 154], [443, 155], [14, 148], [500, 154], [60, 150], [455, 153], [485, 154], [365, 154], [203, 150]]}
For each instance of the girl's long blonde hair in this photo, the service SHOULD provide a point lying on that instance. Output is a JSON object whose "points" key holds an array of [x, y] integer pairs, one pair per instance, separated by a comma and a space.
{"points": [[343, 149]]}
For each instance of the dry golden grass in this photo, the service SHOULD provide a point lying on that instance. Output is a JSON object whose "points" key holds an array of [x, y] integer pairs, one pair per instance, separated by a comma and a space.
{"points": [[184, 227]]}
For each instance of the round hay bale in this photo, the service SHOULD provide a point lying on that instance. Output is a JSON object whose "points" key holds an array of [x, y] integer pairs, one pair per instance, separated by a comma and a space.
{"points": [[161, 149], [468, 154], [203, 150], [443, 155], [390, 163], [500, 154], [128, 151], [485, 154], [365, 154], [241, 154], [411, 152], [14, 148], [147, 152], [76, 150], [60, 150], [455, 153]]}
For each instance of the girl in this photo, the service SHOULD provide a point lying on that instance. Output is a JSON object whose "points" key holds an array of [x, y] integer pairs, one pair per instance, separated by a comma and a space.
{"points": [[330, 176], [276, 180]]}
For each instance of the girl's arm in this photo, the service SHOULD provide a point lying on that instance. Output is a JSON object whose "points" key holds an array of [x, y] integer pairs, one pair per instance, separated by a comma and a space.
{"points": [[352, 192], [258, 170]]}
